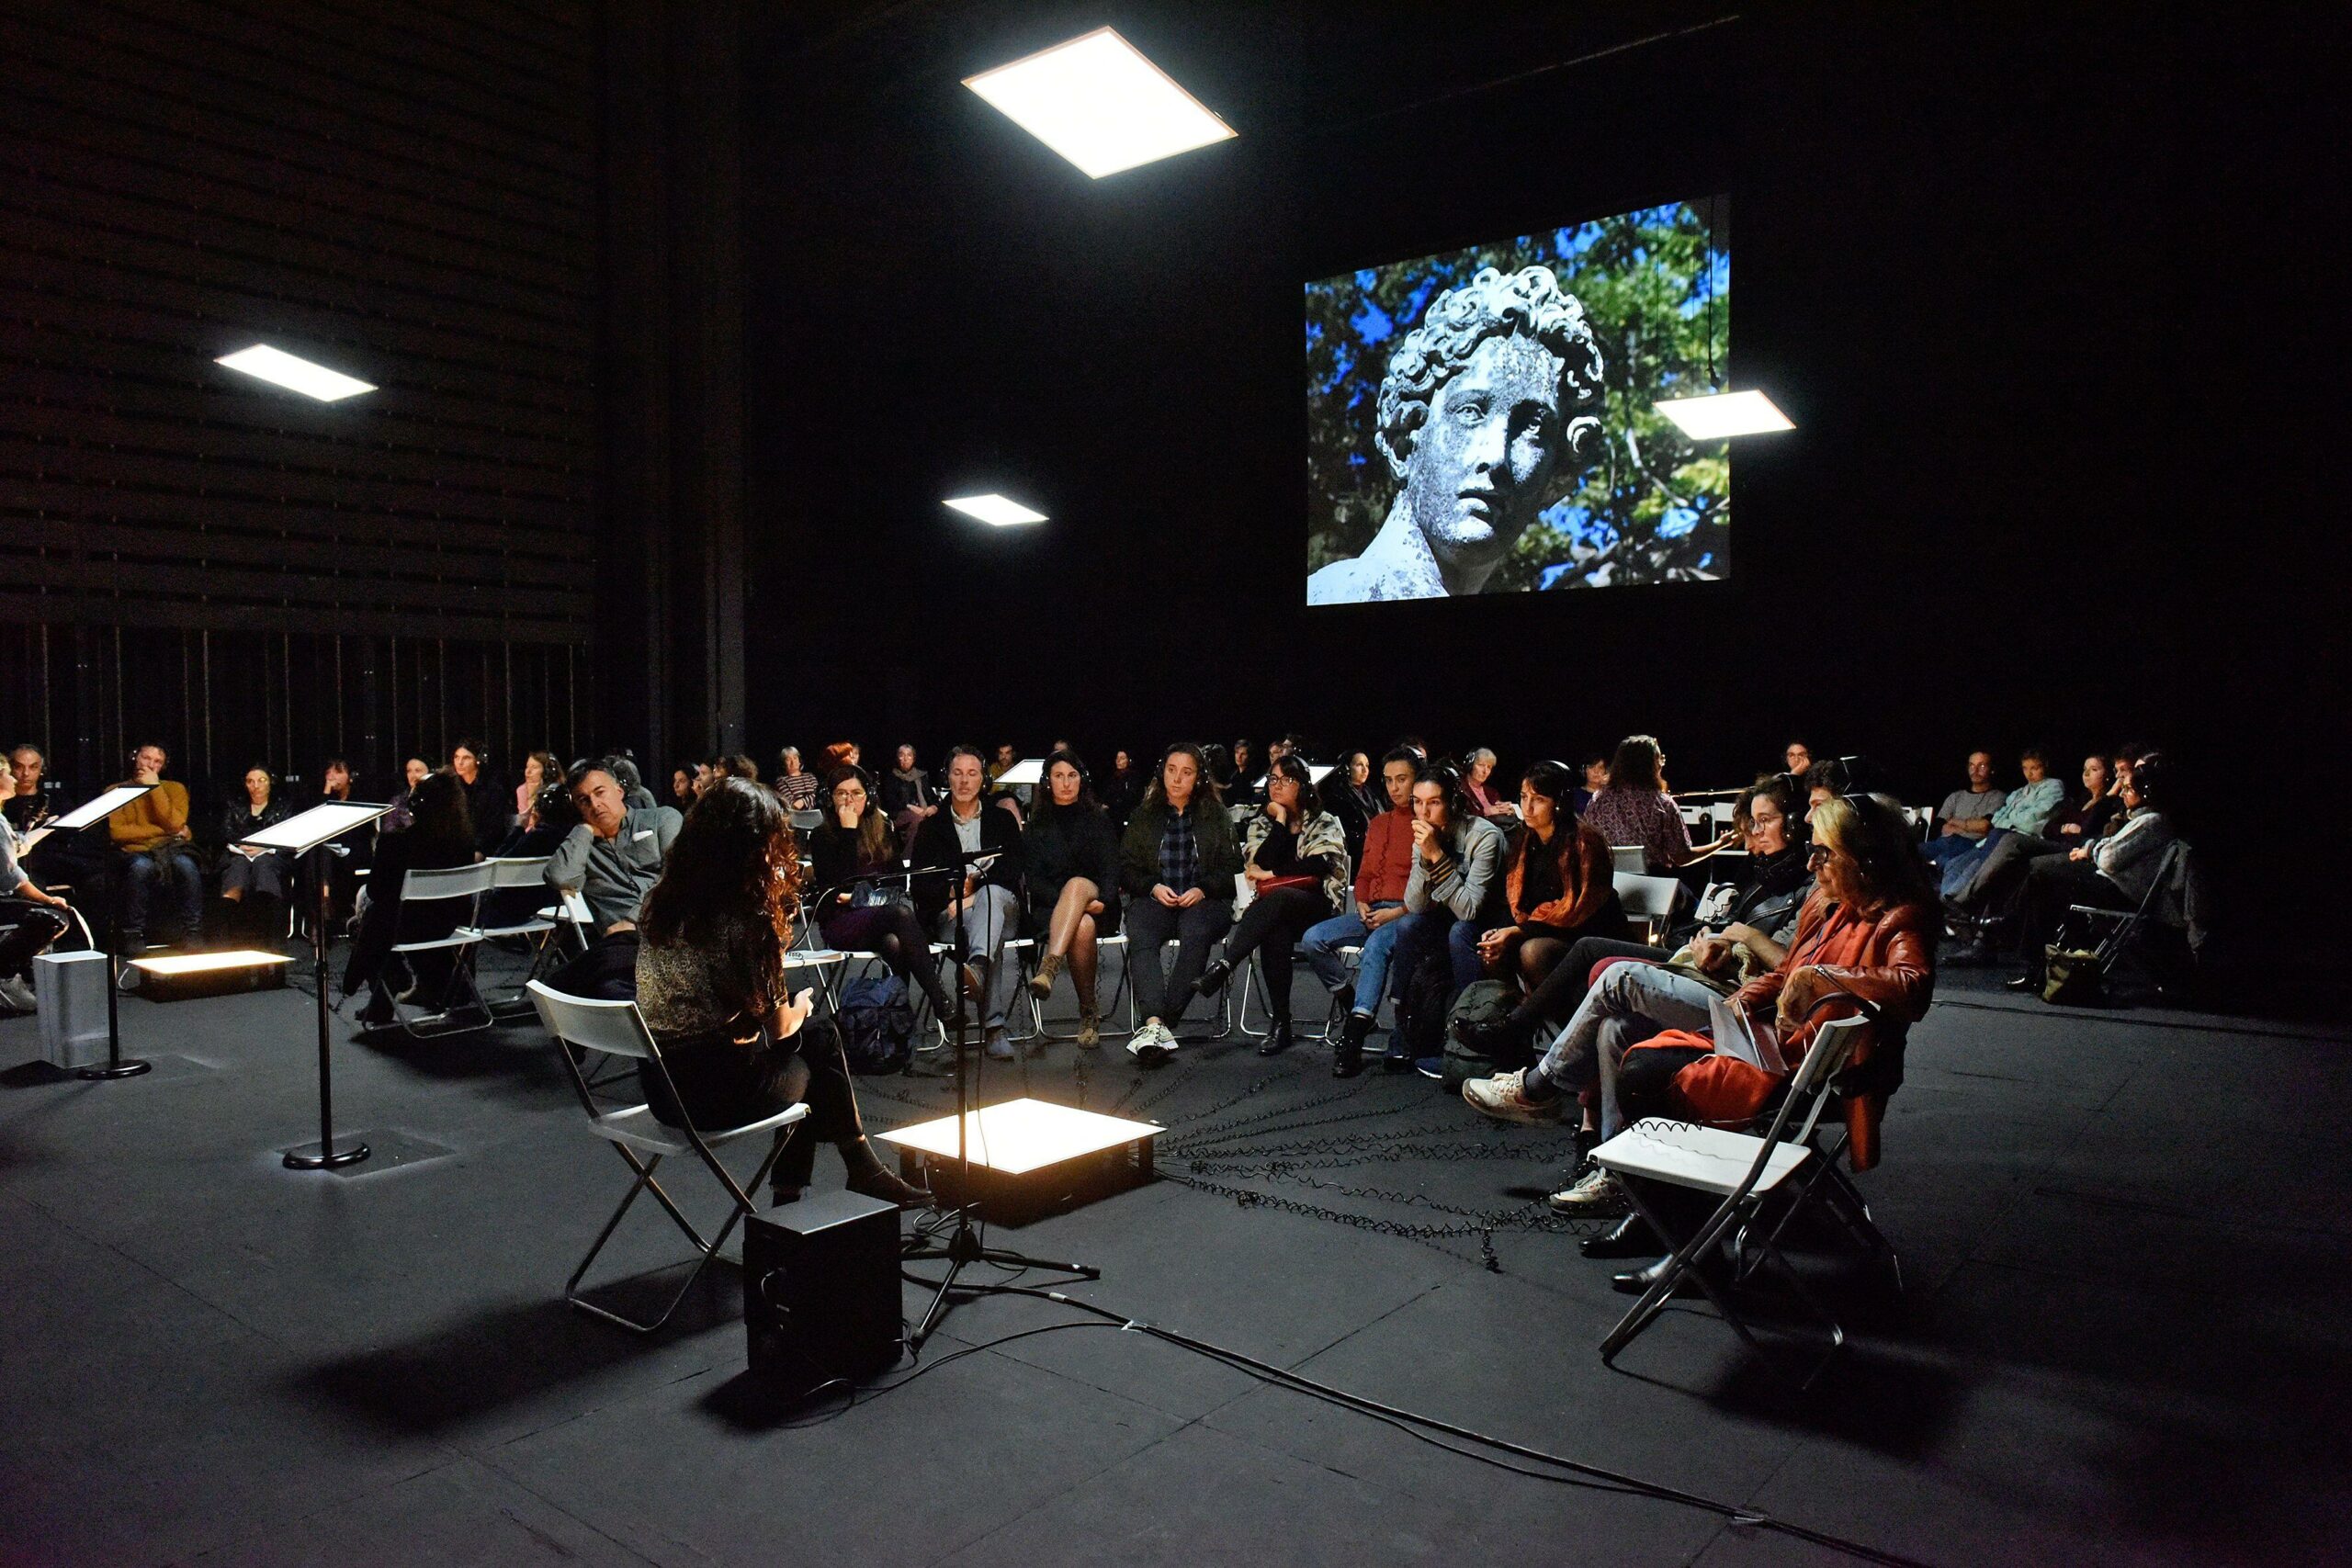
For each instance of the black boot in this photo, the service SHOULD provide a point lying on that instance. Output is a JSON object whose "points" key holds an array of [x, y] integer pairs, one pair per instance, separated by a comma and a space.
{"points": [[1629, 1237], [869, 1177], [1347, 1056], [1278, 1040], [1213, 978]]}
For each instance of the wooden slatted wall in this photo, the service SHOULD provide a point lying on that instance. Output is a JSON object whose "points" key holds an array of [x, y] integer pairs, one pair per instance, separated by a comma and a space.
{"points": [[403, 189]]}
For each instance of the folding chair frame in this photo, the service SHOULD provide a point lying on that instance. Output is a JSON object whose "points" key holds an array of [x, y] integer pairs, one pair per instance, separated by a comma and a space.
{"points": [[644, 1167]]}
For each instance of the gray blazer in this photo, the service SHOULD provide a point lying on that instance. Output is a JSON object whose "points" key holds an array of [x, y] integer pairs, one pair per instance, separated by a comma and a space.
{"points": [[615, 875], [1461, 881]]}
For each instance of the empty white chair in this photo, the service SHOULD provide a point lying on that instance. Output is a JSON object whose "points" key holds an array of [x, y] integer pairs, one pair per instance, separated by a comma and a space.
{"points": [[1647, 899], [618, 1029], [436, 916], [1623, 858]]}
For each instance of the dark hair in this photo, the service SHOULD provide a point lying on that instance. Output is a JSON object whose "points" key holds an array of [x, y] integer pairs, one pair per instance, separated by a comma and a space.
{"points": [[1636, 765], [1085, 801], [730, 883], [1292, 766], [1778, 788], [2149, 778], [877, 844], [263, 769], [438, 807], [2036, 754], [468, 743], [622, 767], [553, 807], [1406, 755], [1156, 794], [1592, 757], [1826, 773], [586, 765], [947, 762], [1448, 778], [737, 766], [1215, 761], [330, 762], [1871, 831], [144, 745], [1557, 782]]}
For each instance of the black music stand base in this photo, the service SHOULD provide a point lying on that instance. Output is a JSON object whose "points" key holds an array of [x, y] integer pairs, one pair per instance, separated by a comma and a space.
{"points": [[118, 1064], [130, 1067], [322, 1156]]}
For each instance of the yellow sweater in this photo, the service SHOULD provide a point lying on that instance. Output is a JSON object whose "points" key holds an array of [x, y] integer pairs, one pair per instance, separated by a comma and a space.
{"points": [[160, 814]]}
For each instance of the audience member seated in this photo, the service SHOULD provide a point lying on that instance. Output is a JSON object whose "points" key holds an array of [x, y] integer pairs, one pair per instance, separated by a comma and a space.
{"points": [[359, 844], [30, 918], [634, 794], [1966, 815], [1242, 788], [612, 858], [151, 836], [1823, 779], [1014, 798], [539, 830], [1477, 768], [1354, 796], [264, 875], [1992, 889], [986, 900], [1558, 886], [908, 795], [439, 835], [735, 766], [2112, 872], [27, 803], [1177, 864], [413, 771], [1635, 809], [1383, 871], [2025, 811], [492, 807], [540, 769], [686, 783], [1452, 894], [1070, 852], [1296, 859], [1795, 758], [1868, 928], [1754, 935], [1595, 771], [795, 785], [861, 901], [1123, 791], [710, 982]]}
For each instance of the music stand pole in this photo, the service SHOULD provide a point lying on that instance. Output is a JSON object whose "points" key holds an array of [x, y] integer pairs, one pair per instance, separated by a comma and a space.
{"points": [[117, 1066], [329, 1158], [964, 1247]]}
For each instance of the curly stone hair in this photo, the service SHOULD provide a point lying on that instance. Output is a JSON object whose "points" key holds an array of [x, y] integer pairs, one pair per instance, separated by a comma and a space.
{"points": [[1490, 305]]}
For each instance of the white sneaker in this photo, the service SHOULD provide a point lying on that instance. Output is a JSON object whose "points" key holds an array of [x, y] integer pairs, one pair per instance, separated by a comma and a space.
{"points": [[1502, 1097], [1595, 1192], [16, 994], [1152, 1042]]}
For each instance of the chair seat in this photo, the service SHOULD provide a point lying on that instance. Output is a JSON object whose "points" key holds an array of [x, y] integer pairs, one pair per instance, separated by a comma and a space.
{"points": [[637, 1128], [529, 927], [1708, 1159], [815, 958], [1117, 939], [464, 936], [1351, 953]]}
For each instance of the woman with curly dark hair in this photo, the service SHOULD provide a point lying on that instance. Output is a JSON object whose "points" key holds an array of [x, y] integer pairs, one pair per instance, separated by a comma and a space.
{"points": [[710, 982], [851, 856]]}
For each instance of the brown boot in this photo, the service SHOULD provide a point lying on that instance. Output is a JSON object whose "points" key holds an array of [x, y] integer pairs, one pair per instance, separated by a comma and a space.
{"points": [[1041, 984], [1089, 1019]]}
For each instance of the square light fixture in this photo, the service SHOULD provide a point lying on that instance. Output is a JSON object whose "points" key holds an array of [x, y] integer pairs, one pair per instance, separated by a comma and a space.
{"points": [[294, 373], [189, 976], [1719, 414], [995, 510], [1024, 1136], [1098, 103]]}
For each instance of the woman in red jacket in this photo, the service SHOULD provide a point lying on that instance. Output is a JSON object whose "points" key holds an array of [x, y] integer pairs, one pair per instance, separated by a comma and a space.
{"points": [[1559, 883]]}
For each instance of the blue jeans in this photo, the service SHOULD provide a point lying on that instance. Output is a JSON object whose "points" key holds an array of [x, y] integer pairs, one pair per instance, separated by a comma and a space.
{"points": [[173, 868], [1944, 848], [1320, 947], [1434, 929], [1960, 867]]}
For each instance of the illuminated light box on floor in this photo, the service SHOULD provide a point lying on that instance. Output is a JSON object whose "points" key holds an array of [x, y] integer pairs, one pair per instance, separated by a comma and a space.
{"points": [[184, 977], [1029, 1157]]}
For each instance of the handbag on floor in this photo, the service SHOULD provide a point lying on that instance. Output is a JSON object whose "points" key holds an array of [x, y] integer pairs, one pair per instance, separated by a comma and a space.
{"points": [[2071, 977]]}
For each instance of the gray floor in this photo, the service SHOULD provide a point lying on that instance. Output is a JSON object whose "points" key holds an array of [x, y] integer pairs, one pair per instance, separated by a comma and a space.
{"points": [[2125, 1236]]}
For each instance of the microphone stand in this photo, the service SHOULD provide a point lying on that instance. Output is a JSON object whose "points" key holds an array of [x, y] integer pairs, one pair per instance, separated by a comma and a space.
{"points": [[963, 1248]]}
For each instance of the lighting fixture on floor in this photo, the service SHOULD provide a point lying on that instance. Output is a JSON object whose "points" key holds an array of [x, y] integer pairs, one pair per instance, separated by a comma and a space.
{"points": [[1098, 103], [295, 373], [183, 977], [995, 510], [1029, 1156], [1719, 414]]}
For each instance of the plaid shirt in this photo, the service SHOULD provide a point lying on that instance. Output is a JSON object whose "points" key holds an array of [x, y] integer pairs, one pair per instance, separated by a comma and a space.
{"points": [[1179, 851]]}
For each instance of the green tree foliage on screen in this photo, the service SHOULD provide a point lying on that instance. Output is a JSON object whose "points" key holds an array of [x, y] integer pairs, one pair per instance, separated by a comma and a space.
{"points": [[1652, 506]]}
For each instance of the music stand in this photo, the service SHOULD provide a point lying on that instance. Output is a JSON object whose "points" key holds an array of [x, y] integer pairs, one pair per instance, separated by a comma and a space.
{"points": [[1028, 770], [74, 821], [314, 833]]}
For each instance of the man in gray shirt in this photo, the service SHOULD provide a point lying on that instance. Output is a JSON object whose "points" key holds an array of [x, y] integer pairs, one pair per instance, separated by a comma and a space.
{"points": [[616, 854], [1966, 815]]}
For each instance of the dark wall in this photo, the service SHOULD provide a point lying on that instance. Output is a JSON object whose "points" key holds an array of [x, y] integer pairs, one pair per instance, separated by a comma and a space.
{"points": [[2025, 279], [401, 190]]}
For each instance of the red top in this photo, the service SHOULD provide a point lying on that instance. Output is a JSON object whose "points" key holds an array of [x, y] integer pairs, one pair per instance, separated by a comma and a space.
{"points": [[1387, 858]]}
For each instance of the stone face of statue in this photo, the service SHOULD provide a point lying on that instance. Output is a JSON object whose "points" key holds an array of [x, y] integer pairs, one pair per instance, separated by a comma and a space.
{"points": [[1481, 467]]}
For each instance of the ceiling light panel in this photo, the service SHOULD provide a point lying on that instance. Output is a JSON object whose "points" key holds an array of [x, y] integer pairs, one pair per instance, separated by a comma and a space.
{"points": [[1098, 103], [294, 373], [1726, 413]]}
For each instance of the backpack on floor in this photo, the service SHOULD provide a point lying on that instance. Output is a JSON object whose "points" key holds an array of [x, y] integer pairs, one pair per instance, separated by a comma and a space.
{"points": [[1421, 1006], [1481, 1001], [876, 1024]]}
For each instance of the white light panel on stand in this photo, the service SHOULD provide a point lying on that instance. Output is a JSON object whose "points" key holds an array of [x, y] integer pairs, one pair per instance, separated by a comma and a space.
{"points": [[1098, 103]]}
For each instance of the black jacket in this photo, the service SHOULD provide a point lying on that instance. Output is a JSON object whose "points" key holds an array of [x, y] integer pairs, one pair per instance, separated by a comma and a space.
{"points": [[936, 845], [1077, 841], [491, 806]]}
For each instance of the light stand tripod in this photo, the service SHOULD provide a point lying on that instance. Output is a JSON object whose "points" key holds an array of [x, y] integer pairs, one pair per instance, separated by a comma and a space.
{"points": [[963, 1247]]}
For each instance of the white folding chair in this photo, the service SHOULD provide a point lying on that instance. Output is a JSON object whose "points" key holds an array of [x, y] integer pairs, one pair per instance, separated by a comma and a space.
{"points": [[515, 884], [1722, 813], [1623, 858], [1743, 1170], [1647, 899], [437, 916], [618, 1029]]}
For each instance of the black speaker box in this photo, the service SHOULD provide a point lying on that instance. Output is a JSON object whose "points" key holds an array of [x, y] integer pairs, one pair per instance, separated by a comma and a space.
{"points": [[820, 1291]]}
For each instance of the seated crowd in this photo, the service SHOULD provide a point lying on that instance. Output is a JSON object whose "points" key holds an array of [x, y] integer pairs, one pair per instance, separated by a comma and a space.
{"points": [[1819, 898]]}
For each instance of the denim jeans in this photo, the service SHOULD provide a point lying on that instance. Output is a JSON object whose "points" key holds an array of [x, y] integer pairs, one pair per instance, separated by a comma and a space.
{"points": [[174, 869], [1960, 869], [1944, 848], [1320, 947], [989, 916], [1630, 1003]]}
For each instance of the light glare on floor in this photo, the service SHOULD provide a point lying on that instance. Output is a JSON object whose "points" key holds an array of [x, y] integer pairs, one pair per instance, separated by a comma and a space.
{"points": [[1098, 103], [995, 510], [1720, 414], [205, 962], [294, 373], [1022, 1135]]}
